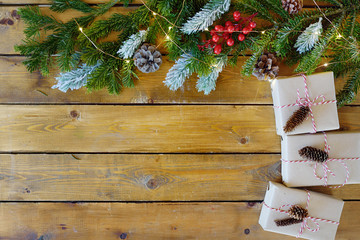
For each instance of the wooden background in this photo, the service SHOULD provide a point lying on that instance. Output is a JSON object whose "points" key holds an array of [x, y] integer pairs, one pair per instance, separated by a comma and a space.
{"points": [[147, 164]]}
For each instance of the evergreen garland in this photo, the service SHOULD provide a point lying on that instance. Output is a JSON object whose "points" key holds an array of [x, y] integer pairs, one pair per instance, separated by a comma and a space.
{"points": [[285, 35]]}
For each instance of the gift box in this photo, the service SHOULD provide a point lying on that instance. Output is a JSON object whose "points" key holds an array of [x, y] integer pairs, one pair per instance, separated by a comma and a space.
{"points": [[341, 167], [321, 213], [314, 91]]}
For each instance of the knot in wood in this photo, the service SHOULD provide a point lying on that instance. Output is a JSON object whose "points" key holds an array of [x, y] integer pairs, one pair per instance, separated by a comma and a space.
{"points": [[74, 114], [152, 183]]}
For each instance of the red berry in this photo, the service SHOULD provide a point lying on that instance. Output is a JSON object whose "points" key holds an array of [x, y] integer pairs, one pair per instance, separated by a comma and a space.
{"points": [[226, 36], [215, 38], [237, 28], [219, 28], [228, 23], [236, 14], [230, 42], [237, 19], [212, 32], [231, 29], [217, 49], [241, 37], [246, 30], [252, 24]]}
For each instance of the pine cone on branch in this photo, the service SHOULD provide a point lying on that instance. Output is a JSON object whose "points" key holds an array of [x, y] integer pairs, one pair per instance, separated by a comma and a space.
{"points": [[313, 154], [292, 6], [297, 118], [147, 59], [266, 67]]}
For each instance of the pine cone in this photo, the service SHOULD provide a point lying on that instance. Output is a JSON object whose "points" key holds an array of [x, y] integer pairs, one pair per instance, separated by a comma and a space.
{"points": [[147, 59], [287, 222], [313, 154], [266, 67], [292, 6], [297, 118], [298, 213]]}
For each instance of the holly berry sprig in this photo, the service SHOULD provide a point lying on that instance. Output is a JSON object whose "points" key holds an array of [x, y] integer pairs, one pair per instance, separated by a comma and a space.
{"points": [[224, 34]]}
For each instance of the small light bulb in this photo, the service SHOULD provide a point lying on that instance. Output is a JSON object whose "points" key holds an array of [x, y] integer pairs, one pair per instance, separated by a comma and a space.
{"points": [[317, 33], [81, 29], [206, 29], [170, 28], [326, 64], [154, 13], [167, 37], [262, 32], [127, 61], [339, 36]]}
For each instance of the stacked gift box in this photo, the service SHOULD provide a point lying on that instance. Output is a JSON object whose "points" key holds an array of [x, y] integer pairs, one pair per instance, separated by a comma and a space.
{"points": [[305, 107]]}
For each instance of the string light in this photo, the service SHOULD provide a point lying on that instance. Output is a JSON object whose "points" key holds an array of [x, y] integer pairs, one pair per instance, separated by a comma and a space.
{"points": [[206, 29], [167, 37], [154, 13], [339, 36], [170, 28], [326, 64], [80, 29], [263, 32]]}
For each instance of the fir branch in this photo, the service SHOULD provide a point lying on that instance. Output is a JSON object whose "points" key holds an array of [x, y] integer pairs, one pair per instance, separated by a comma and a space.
{"points": [[178, 73], [264, 43], [206, 17], [63, 5], [75, 78], [311, 60], [350, 90], [128, 47], [309, 37], [128, 74], [208, 83], [251, 6]]}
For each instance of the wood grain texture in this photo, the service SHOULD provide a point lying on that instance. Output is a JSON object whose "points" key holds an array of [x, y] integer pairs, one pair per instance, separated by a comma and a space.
{"points": [[20, 86], [143, 177], [153, 129], [149, 221]]}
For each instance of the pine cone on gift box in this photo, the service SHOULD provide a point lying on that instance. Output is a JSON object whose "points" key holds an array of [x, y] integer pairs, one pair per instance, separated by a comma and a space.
{"points": [[292, 6], [313, 154], [266, 67], [297, 118], [297, 215], [147, 59]]}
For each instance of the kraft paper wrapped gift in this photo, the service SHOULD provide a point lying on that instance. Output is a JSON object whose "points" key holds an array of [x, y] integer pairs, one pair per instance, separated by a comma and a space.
{"points": [[325, 209], [284, 92], [343, 145]]}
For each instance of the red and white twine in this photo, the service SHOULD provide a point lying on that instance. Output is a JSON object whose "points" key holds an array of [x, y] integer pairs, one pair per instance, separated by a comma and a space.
{"points": [[307, 102], [325, 167], [306, 220]]}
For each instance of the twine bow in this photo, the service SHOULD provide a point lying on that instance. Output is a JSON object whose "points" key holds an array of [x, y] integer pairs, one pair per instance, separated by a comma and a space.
{"points": [[306, 220], [307, 102], [325, 167]]}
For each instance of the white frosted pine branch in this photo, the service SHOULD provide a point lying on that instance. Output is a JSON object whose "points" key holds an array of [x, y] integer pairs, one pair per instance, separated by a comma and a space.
{"points": [[208, 83], [75, 78], [178, 73], [129, 46], [206, 17], [307, 40]]}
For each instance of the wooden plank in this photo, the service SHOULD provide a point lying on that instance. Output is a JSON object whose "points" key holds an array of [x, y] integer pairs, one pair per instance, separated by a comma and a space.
{"points": [[127, 129], [143, 177], [147, 221], [19, 86]]}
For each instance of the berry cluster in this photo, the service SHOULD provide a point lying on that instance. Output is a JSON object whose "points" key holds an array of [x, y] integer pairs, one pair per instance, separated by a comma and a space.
{"points": [[224, 34]]}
